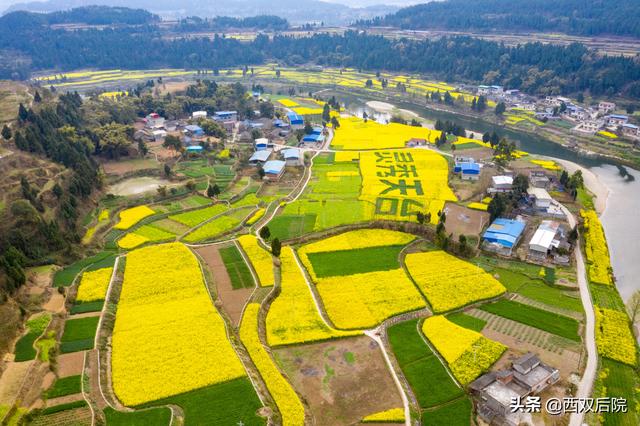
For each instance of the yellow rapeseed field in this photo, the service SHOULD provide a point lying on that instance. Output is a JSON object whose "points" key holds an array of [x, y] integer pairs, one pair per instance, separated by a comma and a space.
{"points": [[260, 259], [285, 397], [130, 217], [596, 250], [613, 336], [478, 206], [256, 216], [394, 415], [547, 164], [168, 338], [448, 282], [468, 353], [346, 156], [361, 238], [398, 184], [293, 317], [288, 102], [93, 285], [354, 134], [365, 300]]}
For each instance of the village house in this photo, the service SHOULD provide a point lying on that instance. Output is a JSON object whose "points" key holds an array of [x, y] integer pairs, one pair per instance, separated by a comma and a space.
{"points": [[547, 237], [468, 170], [494, 392], [261, 144], [198, 114], [589, 126], [274, 169], [295, 120], [413, 142], [225, 116], [615, 120], [501, 184], [543, 203], [629, 129], [293, 157], [606, 107], [503, 235], [154, 121], [539, 179], [260, 157]]}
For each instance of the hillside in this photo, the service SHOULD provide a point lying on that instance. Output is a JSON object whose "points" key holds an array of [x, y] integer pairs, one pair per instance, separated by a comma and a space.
{"points": [[579, 17]]}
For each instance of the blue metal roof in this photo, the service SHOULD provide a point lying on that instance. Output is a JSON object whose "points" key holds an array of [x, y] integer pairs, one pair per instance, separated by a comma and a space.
{"points": [[193, 128], [260, 156], [504, 231], [195, 148], [470, 168], [295, 118], [624, 117], [291, 153], [225, 112], [273, 167], [312, 138], [316, 130]]}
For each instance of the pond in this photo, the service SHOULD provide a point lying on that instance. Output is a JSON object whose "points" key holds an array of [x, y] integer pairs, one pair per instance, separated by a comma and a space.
{"points": [[137, 185]]}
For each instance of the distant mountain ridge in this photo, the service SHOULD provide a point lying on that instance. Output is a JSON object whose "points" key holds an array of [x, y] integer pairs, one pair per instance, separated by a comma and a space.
{"points": [[295, 11], [578, 17]]}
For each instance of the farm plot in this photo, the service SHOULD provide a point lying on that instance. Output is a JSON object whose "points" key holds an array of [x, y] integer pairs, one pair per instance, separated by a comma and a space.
{"points": [[168, 338], [544, 320], [324, 374], [233, 298], [64, 386], [65, 277], [293, 316], [426, 375], [398, 184], [78, 334], [260, 259], [130, 217], [357, 134], [614, 337], [596, 249], [620, 381], [362, 286], [467, 353], [144, 234], [289, 405], [25, 350], [218, 226], [93, 288], [448, 282], [196, 217], [154, 416], [236, 268]]}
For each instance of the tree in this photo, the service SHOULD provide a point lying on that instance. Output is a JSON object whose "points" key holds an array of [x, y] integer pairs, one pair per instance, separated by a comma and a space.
{"points": [[213, 190], [564, 178], [6, 132], [420, 218], [326, 113], [481, 105], [162, 190], [172, 141], [142, 148], [266, 109], [500, 108], [190, 185], [265, 233], [576, 181], [308, 128], [520, 184], [37, 98], [368, 84], [276, 247], [212, 128], [633, 308], [497, 206], [57, 190], [448, 99], [115, 139], [167, 170], [580, 97], [335, 123]]}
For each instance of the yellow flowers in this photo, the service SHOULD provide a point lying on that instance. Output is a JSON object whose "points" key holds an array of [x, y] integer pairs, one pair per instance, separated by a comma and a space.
{"points": [[283, 394], [260, 259], [607, 134], [467, 352], [596, 250], [398, 184], [256, 217], [346, 156], [547, 164], [104, 215], [361, 238], [293, 317], [613, 336], [131, 240], [478, 206], [354, 133], [395, 415], [288, 102], [307, 111], [93, 285], [130, 217], [168, 337], [365, 300], [143, 235], [449, 282]]}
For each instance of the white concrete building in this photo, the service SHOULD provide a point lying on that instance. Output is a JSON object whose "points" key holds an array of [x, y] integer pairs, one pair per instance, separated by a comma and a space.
{"points": [[199, 114], [544, 239], [540, 197], [502, 183]]}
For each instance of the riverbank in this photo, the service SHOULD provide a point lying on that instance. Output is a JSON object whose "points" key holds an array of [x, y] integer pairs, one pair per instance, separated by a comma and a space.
{"points": [[599, 190]]}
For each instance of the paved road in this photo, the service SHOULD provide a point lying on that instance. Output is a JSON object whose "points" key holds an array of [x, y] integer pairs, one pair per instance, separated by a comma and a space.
{"points": [[585, 386]]}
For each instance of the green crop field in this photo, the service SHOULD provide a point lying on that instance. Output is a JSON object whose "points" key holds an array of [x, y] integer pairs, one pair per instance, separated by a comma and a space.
{"points": [[534, 317], [428, 378], [65, 386], [620, 382], [78, 334], [467, 321], [349, 262], [65, 277], [195, 217], [81, 308], [218, 226], [455, 413], [228, 403], [152, 416], [63, 407], [236, 268], [291, 226], [25, 350]]}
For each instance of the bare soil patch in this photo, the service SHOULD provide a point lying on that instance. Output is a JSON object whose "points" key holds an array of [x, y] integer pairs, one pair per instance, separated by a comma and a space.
{"points": [[325, 374], [70, 364], [11, 380], [463, 220], [233, 300], [55, 304], [122, 167]]}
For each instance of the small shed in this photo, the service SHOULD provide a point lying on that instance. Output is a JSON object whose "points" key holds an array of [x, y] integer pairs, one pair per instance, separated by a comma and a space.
{"points": [[194, 149], [295, 119], [261, 144], [225, 116], [274, 169], [469, 171], [199, 114], [292, 157], [312, 138], [193, 130], [544, 239], [502, 183], [259, 157]]}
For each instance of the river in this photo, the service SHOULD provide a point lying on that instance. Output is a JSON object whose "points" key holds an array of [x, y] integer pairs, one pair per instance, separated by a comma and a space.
{"points": [[619, 220]]}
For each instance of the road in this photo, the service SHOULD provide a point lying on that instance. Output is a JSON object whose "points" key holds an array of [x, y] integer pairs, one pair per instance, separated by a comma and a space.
{"points": [[585, 386]]}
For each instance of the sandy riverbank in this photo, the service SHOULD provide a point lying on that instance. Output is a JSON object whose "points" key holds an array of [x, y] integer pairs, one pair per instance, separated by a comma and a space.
{"points": [[388, 108]]}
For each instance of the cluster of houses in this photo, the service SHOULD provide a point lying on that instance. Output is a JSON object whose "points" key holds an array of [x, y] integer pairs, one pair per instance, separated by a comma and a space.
{"points": [[273, 161], [549, 242], [587, 120]]}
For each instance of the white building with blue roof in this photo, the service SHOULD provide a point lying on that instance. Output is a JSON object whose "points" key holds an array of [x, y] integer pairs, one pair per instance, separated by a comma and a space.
{"points": [[274, 169], [503, 235]]}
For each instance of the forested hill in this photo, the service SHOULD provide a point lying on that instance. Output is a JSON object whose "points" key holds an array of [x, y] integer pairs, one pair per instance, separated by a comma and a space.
{"points": [[579, 17], [535, 68], [90, 15]]}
